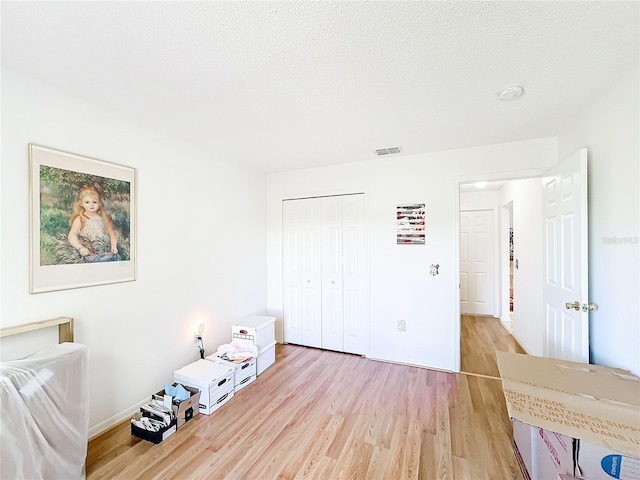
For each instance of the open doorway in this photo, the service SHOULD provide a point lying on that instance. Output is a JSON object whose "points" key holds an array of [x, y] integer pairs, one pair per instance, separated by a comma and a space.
{"points": [[482, 248], [549, 221], [482, 333]]}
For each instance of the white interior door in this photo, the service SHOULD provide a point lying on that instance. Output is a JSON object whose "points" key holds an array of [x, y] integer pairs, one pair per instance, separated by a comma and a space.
{"points": [[476, 262], [565, 288]]}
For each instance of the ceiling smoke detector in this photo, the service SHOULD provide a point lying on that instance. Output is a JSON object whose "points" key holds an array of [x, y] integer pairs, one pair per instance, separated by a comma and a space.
{"points": [[512, 92], [388, 151]]}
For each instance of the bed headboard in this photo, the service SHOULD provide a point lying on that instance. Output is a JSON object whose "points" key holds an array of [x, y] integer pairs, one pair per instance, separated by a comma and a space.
{"points": [[65, 328]]}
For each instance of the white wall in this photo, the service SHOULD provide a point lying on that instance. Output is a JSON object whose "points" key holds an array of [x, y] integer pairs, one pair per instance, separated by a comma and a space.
{"points": [[610, 129], [201, 245], [401, 287], [480, 200], [528, 314]]}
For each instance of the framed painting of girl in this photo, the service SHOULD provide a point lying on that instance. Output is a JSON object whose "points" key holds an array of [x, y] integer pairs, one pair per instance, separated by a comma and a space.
{"points": [[82, 221]]}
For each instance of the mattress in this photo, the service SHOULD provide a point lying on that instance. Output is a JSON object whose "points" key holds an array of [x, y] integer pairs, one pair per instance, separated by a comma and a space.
{"points": [[44, 417]]}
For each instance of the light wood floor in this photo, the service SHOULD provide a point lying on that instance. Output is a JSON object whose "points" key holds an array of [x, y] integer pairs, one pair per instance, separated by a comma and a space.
{"points": [[480, 337], [324, 415]]}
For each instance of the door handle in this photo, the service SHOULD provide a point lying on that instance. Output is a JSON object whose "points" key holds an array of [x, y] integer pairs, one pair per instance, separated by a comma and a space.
{"points": [[585, 307], [575, 305]]}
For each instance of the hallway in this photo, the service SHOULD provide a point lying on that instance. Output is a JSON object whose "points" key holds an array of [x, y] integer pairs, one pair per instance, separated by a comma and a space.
{"points": [[480, 337]]}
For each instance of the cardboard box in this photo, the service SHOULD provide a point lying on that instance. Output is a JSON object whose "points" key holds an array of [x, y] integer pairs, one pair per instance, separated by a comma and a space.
{"points": [[578, 416], [553, 454], [523, 441], [153, 437], [599, 463], [185, 410]]}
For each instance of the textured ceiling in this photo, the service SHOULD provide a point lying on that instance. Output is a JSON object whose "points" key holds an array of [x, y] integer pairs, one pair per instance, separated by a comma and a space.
{"points": [[284, 85]]}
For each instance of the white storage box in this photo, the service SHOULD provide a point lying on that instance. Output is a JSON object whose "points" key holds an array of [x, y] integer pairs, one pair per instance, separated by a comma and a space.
{"points": [[215, 382], [244, 373], [266, 357], [260, 329]]}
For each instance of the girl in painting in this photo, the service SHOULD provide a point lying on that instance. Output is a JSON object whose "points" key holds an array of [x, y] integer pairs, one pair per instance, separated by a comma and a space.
{"points": [[92, 233]]}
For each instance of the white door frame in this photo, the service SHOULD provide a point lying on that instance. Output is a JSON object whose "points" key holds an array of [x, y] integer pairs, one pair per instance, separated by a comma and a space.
{"points": [[505, 224], [489, 177]]}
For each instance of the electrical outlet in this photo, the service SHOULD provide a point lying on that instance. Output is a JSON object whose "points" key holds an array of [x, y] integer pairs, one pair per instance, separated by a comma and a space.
{"points": [[196, 338], [402, 326]]}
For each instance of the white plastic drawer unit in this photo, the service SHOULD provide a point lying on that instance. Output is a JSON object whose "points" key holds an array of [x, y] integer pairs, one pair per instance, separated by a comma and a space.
{"points": [[244, 373], [260, 329], [215, 382]]}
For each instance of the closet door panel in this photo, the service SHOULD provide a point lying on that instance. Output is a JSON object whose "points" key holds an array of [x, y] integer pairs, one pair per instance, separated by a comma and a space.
{"points": [[332, 302], [292, 331], [310, 272], [332, 321], [351, 310], [355, 275]]}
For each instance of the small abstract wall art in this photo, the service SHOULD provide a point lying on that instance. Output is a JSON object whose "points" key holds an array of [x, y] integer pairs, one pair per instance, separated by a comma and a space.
{"points": [[411, 224]]}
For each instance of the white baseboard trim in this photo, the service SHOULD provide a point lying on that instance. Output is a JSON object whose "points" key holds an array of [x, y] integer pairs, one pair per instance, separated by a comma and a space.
{"points": [[411, 364], [521, 343], [116, 419]]}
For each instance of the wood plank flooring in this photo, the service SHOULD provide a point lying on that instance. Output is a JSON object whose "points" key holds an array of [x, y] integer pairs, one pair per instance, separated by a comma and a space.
{"points": [[324, 415], [480, 337]]}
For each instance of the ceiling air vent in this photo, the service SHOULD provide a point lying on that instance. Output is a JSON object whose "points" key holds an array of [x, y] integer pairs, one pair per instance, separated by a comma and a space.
{"points": [[388, 151]]}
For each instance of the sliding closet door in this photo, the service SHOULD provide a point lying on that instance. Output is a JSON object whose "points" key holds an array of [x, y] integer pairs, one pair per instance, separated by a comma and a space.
{"points": [[332, 306], [355, 275]]}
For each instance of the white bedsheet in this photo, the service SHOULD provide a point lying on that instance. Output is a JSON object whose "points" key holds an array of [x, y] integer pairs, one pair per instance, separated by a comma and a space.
{"points": [[44, 414]]}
